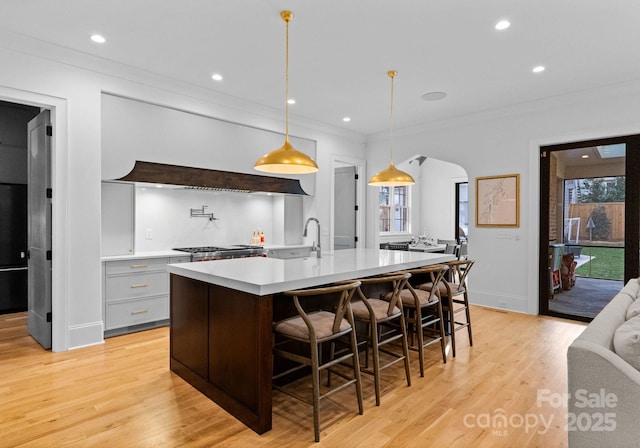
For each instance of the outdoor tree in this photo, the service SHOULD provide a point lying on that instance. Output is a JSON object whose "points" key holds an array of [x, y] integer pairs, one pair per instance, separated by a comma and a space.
{"points": [[601, 224], [600, 189]]}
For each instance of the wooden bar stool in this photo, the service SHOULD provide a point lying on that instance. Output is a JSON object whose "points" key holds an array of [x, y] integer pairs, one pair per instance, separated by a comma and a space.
{"points": [[313, 329], [455, 297], [423, 310], [383, 323]]}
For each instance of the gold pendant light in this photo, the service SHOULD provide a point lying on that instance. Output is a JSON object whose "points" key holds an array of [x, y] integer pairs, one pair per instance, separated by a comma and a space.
{"points": [[286, 159], [391, 176]]}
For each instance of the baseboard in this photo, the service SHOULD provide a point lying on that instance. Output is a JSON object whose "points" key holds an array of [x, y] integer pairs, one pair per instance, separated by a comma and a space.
{"points": [[85, 335]]}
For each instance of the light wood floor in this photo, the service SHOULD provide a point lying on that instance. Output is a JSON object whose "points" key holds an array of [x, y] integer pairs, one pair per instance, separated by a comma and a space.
{"points": [[122, 393]]}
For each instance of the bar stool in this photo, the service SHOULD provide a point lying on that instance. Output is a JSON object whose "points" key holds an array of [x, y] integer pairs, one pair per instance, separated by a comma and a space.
{"points": [[314, 329], [383, 323], [423, 310], [455, 298]]}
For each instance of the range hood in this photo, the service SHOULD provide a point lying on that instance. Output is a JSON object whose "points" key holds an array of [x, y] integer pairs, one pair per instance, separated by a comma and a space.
{"points": [[206, 179]]}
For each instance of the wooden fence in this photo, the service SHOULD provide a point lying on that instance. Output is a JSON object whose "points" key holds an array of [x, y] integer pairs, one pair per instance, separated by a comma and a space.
{"points": [[614, 211]]}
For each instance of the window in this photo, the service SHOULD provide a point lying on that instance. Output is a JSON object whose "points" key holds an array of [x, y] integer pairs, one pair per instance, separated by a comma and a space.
{"points": [[394, 209], [462, 209]]}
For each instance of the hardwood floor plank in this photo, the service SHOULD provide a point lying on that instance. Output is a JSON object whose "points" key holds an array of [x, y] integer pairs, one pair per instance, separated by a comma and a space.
{"points": [[122, 393]]}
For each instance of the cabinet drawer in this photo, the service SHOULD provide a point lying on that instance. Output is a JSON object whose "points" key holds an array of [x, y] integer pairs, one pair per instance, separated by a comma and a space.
{"points": [[140, 265], [134, 312], [119, 287]]}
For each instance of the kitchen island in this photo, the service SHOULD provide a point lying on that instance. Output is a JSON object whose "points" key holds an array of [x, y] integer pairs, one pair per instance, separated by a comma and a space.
{"points": [[222, 313]]}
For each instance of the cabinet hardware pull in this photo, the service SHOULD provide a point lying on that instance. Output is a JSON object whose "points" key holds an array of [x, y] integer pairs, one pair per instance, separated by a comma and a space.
{"points": [[137, 266], [139, 311], [141, 285]]}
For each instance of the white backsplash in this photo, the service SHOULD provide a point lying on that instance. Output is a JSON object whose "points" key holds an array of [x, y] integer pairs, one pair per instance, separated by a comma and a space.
{"points": [[164, 213]]}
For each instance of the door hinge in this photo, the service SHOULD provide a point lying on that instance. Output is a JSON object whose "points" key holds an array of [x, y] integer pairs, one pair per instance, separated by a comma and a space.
{"points": [[49, 193], [357, 176], [49, 131], [48, 255], [356, 208], [543, 154], [49, 316], [355, 238]]}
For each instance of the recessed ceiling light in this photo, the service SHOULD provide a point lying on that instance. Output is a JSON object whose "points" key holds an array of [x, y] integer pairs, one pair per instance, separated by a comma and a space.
{"points": [[346, 119], [98, 39], [538, 69], [434, 96], [291, 101], [585, 156], [502, 25], [216, 77]]}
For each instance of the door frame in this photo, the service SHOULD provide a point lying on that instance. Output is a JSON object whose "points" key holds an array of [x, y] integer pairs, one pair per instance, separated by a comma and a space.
{"points": [[456, 211], [360, 164], [632, 211], [59, 209]]}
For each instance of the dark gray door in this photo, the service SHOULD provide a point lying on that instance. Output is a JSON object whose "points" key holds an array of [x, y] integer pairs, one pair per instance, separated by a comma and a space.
{"points": [[39, 228], [345, 208]]}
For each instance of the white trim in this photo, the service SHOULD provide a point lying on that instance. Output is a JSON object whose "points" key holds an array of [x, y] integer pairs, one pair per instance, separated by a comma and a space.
{"points": [[92, 331], [410, 210], [60, 186], [361, 166]]}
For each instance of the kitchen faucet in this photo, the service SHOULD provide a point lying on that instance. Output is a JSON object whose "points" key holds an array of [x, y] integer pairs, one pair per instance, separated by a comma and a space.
{"points": [[316, 248]]}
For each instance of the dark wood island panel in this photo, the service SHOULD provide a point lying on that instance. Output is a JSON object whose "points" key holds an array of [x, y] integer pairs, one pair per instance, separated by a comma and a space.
{"points": [[221, 342]]}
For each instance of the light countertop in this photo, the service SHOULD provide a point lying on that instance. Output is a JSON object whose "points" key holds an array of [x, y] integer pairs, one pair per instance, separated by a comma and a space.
{"points": [[151, 254], [263, 276], [178, 253]]}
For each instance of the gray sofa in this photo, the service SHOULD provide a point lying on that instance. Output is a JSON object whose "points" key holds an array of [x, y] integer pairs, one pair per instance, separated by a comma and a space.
{"points": [[604, 378]]}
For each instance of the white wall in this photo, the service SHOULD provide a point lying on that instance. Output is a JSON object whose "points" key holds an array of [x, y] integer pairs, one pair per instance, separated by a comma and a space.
{"points": [[166, 213], [71, 84], [437, 211], [503, 142]]}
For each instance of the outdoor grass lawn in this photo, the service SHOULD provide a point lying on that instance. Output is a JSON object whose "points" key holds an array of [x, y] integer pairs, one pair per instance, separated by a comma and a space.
{"points": [[608, 262]]}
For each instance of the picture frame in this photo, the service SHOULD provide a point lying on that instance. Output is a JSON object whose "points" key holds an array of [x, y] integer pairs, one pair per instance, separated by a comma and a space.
{"points": [[498, 201]]}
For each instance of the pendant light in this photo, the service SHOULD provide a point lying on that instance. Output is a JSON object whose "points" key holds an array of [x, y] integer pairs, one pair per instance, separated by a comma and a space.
{"points": [[391, 176], [286, 159]]}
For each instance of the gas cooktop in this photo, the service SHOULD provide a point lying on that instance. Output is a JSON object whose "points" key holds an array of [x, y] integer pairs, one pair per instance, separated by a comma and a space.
{"points": [[205, 253], [194, 250]]}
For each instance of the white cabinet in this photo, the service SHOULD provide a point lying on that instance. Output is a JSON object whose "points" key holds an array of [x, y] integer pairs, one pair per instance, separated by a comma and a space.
{"points": [[117, 218], [136, 293]]}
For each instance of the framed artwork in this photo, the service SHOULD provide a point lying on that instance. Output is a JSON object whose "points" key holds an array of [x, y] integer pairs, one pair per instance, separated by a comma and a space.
{"points": [[498, 201]]}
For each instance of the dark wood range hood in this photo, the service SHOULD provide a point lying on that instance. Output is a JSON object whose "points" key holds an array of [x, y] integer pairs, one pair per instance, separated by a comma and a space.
{"points": [[206, 179]]}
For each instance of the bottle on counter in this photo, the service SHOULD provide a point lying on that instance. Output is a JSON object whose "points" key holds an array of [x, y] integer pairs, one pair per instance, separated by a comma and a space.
{"points": [[261, 238]]}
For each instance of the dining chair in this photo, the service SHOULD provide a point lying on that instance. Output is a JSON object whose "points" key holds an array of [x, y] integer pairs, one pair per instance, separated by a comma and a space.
{"points": [[382, 323], [423, 311], [455, 298], [451, 248], [315, 328]]}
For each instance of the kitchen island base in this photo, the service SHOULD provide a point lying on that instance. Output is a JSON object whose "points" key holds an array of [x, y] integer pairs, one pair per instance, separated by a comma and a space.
{"points": [[222, 314], [221, 345]]}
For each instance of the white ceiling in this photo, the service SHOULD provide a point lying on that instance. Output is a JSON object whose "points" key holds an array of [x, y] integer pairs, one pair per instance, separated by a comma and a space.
{"points": [[340, 50]]}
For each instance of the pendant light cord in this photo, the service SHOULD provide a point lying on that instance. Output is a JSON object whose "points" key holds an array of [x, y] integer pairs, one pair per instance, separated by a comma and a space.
{"points": [[392, 74], [286, 82]]}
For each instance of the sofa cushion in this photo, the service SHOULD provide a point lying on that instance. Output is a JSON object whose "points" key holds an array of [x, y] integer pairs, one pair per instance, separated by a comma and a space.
{"points": [[633, 310], [626, 341], [632, 288]]}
